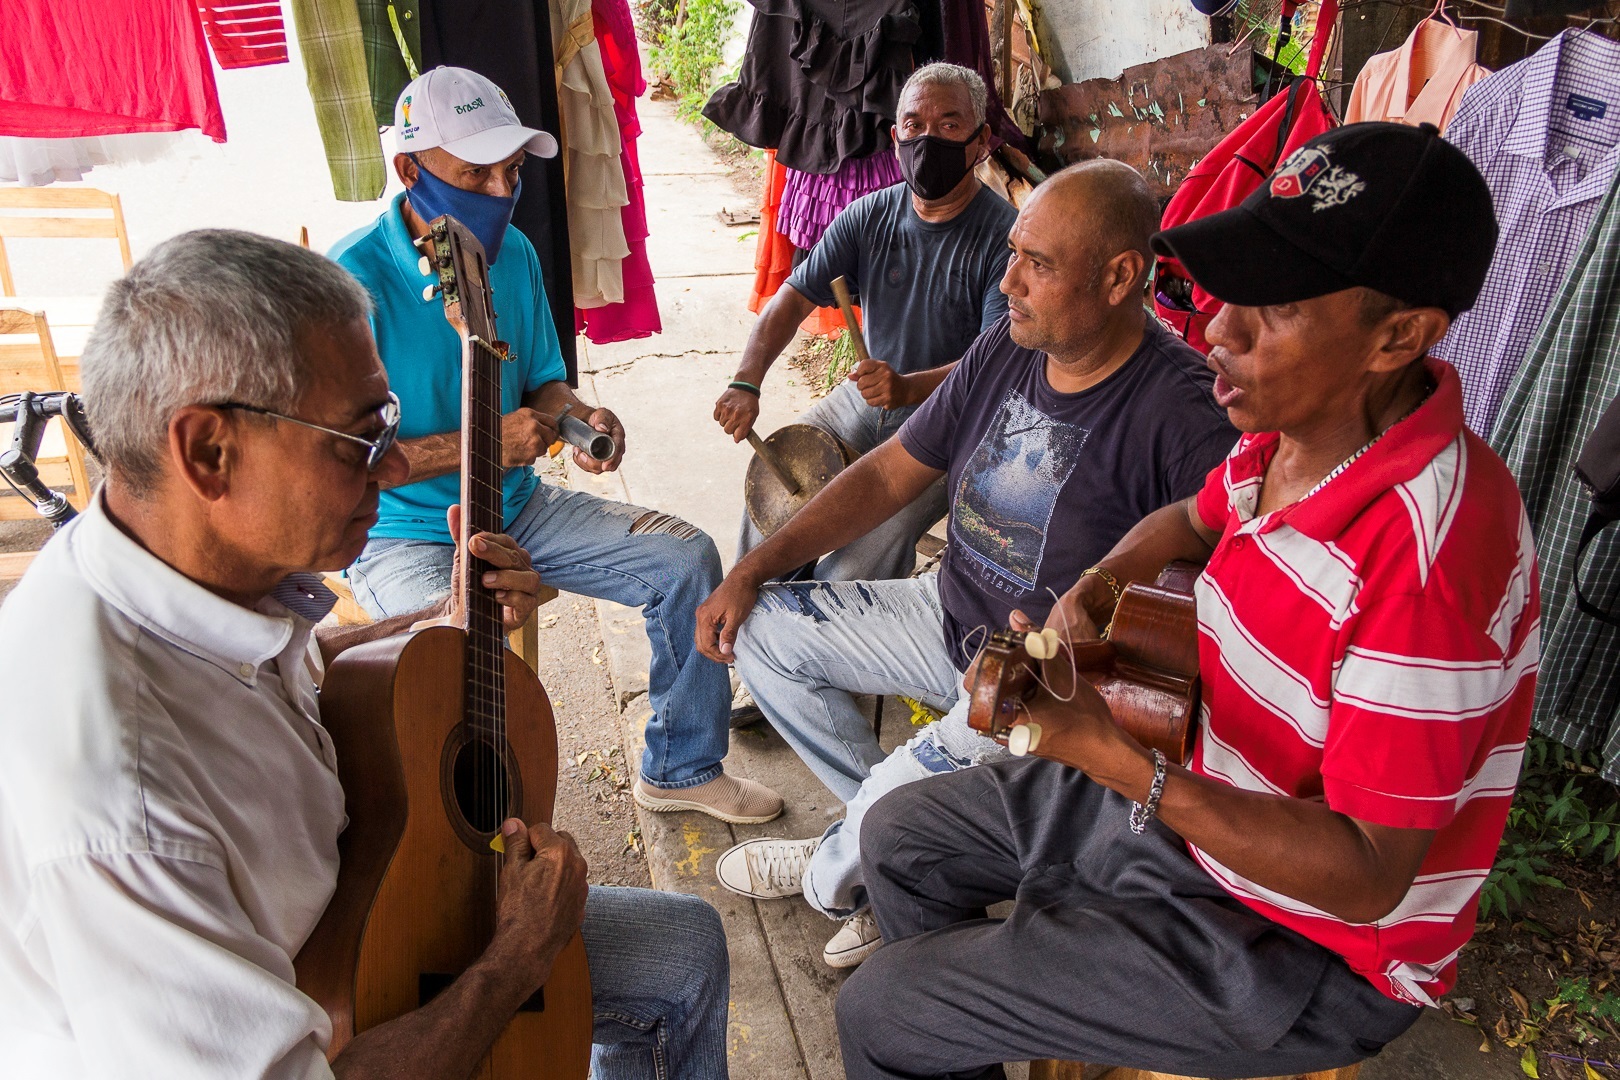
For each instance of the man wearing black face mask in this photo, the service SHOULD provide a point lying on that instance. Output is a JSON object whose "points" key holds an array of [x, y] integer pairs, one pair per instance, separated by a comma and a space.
{"points": [[925, 258], [460, 149]]}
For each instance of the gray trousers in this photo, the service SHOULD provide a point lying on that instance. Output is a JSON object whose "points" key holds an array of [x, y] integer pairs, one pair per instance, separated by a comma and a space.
{"points": [[1120, 950], [890, 550]]}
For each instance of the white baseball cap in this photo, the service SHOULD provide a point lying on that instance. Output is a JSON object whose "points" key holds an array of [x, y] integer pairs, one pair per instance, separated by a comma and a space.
{"points": [[464, 114]]}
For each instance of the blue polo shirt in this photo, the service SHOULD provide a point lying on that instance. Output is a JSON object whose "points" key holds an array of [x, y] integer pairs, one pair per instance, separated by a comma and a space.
{"points": [[422, 353]]}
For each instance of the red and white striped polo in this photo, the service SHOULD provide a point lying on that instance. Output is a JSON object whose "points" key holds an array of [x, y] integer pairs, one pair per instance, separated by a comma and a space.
{"points": [[1375, 645]]}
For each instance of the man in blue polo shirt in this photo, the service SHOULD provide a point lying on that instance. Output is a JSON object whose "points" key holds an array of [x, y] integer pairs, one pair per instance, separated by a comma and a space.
{"points": [[460, 148]]}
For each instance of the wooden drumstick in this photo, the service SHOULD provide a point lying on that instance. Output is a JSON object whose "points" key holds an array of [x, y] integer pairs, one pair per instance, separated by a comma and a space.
{"points": [[768, 456], [840, 288]]}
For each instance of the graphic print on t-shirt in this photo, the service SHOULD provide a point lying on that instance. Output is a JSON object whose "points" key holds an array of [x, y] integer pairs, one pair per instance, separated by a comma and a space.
{"points": [[1008, 490]]}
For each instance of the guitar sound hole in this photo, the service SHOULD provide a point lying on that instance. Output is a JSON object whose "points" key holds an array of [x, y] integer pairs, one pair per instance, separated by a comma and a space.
{"points": [[481, 785]]}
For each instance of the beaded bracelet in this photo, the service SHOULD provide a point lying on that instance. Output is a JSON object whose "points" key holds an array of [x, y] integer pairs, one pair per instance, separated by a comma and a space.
{"points": [[1142, 813], [738, 384]]}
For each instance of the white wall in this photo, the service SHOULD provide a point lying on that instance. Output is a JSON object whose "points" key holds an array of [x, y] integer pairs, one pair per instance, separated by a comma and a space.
{"points": [[1090, 39]]}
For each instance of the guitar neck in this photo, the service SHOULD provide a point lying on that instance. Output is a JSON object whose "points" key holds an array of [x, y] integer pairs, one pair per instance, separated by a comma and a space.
{"points": [[482, 511]]}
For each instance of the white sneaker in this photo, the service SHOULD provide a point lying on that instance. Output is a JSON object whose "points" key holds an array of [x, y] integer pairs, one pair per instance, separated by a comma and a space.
{"points": [[857, 939], [768, 868]]}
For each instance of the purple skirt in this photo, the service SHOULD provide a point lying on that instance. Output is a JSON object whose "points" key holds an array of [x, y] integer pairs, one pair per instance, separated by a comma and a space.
{"points": [[810, 201]]}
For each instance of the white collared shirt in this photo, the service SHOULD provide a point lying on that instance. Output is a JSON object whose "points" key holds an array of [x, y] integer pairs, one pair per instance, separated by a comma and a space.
{"points": [[169, 814]]}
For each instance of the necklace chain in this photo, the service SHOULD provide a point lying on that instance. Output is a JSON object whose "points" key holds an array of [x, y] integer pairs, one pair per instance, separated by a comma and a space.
{"points": [[1351, 460]]}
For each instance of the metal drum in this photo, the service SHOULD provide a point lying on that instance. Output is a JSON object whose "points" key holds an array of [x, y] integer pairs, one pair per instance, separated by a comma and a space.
{"points": [[811, 456]]}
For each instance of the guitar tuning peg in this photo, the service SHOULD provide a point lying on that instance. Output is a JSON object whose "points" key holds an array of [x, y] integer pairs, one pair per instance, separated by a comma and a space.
{"points": [[424, 266], [1023, 739], [421, 242], [1041, 645], [429, 292]]}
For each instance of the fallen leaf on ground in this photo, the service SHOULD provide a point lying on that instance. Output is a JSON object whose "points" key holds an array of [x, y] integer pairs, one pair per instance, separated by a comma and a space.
{"points": [[1528, 1063]]}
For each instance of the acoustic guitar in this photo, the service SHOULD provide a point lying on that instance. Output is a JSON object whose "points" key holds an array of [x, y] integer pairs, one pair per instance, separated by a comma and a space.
{"points": [[441, 734], [1146, 669]]}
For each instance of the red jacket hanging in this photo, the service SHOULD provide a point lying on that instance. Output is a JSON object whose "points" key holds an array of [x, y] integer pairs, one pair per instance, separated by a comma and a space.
{"points": [[71, 68], [245, 33]]}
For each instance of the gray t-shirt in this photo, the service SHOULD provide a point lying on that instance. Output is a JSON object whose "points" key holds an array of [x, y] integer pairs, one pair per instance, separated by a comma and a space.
{"points": [[926, 290]]}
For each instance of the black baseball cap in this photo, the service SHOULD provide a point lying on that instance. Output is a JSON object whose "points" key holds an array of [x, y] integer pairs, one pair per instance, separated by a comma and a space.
{"points": [[1383, 206]]}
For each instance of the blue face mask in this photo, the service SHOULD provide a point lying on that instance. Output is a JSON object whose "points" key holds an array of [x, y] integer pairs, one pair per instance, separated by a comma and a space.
{"points": [[486, 216]]}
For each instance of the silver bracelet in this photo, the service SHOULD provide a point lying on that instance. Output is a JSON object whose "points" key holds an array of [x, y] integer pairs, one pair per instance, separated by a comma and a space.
{"points": [[1142, 813]]}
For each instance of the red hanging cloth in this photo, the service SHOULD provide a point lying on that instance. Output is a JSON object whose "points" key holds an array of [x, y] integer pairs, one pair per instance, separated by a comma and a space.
{"points": [[71, 68], [245, 33]]}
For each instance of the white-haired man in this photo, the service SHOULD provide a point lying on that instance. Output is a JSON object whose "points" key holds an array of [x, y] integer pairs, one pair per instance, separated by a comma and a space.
{"points": [[460, 148], [925, 257], [169, 801]]}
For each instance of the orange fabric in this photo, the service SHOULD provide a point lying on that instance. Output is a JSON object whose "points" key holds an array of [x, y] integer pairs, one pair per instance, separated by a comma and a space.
{"points": [[1422, 82], [773, 255], [773, 258]]}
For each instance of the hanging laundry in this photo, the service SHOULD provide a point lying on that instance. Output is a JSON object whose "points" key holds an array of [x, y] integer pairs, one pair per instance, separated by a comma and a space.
{"points": [[967, 42], [393, 34], [820, 79], [73, 68], [37, 162], [509, 43], [811, 201], [244, 33], [1545, 132], [773, 252], [1570, 374], [1422, 82], [335, 67], [592, 153]]}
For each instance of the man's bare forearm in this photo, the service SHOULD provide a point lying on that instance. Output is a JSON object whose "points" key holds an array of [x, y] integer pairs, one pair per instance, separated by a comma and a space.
{"points": [[1164, 536], [773, 333], [858, 500], [334, 639], [432, 455], [920, 384], [444, 1039]]}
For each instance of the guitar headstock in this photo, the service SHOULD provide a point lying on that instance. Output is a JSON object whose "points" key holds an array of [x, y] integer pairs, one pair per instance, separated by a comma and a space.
{"points": [[1004, 678], [456, 256]]}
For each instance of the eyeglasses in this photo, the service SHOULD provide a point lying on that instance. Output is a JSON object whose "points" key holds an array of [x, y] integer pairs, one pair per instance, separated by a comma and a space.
{"points": [[376, 449]]}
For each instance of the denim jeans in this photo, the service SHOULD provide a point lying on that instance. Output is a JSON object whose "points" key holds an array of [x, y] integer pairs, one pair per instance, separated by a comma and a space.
{"points": [[660, 986], [890, 550], [595, 547], [803, 650]]}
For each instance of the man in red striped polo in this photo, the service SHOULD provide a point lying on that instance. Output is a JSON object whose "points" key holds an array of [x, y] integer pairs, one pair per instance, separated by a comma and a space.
{"points": [[1290, 898]]}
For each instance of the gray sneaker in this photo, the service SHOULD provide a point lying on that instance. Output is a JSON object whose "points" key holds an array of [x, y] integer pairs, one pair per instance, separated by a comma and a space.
{"points": [[768, 868], [857, 939]]}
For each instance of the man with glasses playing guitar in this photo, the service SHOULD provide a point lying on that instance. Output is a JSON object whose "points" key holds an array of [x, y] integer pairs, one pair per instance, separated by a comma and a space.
{"points": [[170, 802]]}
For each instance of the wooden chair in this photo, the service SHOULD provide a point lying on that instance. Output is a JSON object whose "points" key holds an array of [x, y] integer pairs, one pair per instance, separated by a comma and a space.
{"points": [[28, 361], [525, 641], [106, 221], [1074, 1070]]}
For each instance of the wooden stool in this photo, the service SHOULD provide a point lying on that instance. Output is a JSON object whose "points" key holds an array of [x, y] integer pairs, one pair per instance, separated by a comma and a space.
{"points": [[1074, 1070]]}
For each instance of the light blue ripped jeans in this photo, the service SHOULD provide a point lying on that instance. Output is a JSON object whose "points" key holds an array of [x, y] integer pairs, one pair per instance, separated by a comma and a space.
{"points": [[585, 544], [805, 651], [890, 550]]}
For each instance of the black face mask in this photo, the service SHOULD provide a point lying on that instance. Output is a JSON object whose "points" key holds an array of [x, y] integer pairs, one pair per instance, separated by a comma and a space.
{"points": [[934, 166]]}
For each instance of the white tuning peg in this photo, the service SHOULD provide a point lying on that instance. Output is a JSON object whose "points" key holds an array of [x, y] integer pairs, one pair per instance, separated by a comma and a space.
{"points": [[1023, 739], [429, 292], [424, 266], [1042, 644]]}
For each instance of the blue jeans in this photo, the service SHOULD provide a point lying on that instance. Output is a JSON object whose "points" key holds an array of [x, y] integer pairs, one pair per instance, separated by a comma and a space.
{"points": [[803, 650], [890, 550], [660, 986], [585, 544]]}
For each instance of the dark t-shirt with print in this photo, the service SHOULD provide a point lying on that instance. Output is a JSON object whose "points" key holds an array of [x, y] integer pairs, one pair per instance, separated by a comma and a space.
{"points": [[1044, 484], [926, 289]]}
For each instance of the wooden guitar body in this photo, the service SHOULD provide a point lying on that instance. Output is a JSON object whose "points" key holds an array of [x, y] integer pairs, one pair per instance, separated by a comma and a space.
{"points": [[416, 898], [1147, 669]]}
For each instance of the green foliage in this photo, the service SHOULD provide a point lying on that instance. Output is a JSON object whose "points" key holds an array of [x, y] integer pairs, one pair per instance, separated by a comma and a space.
{"points": [[843, 359], [1562, 809], [1595, 1012], [1259, 18], [690, 49]]}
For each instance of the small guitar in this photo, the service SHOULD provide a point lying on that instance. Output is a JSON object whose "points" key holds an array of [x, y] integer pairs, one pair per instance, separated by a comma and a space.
{"points": [[1147, 669], [473, 743]]}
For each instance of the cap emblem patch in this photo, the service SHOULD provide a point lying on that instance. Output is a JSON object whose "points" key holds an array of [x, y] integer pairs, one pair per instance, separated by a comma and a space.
{"points": [[1309, 172]]}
